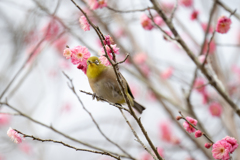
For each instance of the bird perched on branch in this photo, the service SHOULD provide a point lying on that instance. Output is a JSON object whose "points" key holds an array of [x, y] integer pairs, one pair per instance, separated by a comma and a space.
{"points": [[103, 82]]}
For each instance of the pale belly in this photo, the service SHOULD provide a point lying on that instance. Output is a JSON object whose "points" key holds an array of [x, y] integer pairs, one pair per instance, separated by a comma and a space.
{"points": [[107, 90]]}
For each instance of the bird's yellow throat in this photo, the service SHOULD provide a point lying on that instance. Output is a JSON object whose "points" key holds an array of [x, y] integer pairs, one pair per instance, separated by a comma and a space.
{"points": [[93, 70]]}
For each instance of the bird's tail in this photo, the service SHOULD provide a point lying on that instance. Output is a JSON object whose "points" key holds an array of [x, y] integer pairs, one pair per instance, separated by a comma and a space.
{"points": [[138, 107]]}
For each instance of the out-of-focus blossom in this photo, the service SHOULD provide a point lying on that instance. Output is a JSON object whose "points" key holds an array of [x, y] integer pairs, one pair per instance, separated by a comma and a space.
{"points": [[31, 37], [215, 109], [67, 107], [205, 97], [202, 58], [158, 20], [199, 85], [67, 53], [147, 156], [221, 149], [108, 40], [186, 3], [166, 132], [145, 69], [188, 127], [151, 96], [64, 64], [109, 51], [60, 43], [84, 23], [25, 147], [146, 22], [120, 33], [4, 119], [140, 58], [51, 30], [198, 134], [194, 15], [95, 4], [233, 142], [204, 26], [167, 7], [14, 136], [104, 60], [80, 54], [212, 47], [223, 24], [167, 73], [160, 152], [168, 33], [208, 145]]}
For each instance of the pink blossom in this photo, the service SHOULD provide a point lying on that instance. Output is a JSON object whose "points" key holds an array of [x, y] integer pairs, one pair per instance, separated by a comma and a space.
{"points": [[25, 147], [83, 67], [166, 132], [109, 51], [104, 60], [223, 24], [51, 30], [160, 151], [188, 127], [140, 58], [233, 142], [186, 3], [120, 33], [167, 73], [169, 33], [67, 53], [66, 107], [145, 69], [194, 15], [204, 26], [199, 85], [202, 58], [60, 43], [212, 47], [158, 20], [221, 149], [151, 96], [205, 97], [215, 109], [95, 4], [14, 136], [198, 134], [84, 23], [4, 119], [146, 22], [80, 54], [108, 40], [208, 145], [167, 7]]}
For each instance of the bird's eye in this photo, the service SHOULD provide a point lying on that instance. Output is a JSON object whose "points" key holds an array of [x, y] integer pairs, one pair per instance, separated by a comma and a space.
{"points": [[96, 62]]}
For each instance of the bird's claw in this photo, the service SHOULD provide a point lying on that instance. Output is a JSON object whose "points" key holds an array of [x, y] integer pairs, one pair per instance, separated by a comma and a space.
{"points": [[94, 95]]}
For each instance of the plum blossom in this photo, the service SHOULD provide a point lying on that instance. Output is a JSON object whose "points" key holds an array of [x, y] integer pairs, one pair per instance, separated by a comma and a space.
{"points": [[4, 119], [51, 30], [194, 15], [198, 134], [14, 136], [67, 53], [221, 149], [186, 3], [95, 4], [146, 22], [104, 60], [212, 47], [233, 142], [109, 51], [167, 73], [204, 27], [223, 24], [167, 7], [166, 132], [84, 23], [199, 85], [108, 40], [208, 145], [215, 109], [60, 43], [158, 20], [140, 58], [188, 127], [83, 67], [80, 54]]}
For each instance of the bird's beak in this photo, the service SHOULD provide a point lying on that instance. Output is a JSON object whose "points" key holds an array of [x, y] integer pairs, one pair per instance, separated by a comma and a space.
{"points": [[89, 62]]}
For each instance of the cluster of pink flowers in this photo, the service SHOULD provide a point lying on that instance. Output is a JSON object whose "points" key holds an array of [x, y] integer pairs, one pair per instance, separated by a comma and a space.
{"points": [[167, 134], [79, 56], [167, 73], [188, 127], [186, 3], [14, 135], [223, 24], [146, 22], [4, 119], [215, 109], [221, 149], [147, 156], [84, 23], [95, 4], [140, 59], [194, 15]]}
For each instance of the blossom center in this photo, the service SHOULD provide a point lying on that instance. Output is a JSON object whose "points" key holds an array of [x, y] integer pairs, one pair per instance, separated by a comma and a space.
{"points": [[79, 55]]}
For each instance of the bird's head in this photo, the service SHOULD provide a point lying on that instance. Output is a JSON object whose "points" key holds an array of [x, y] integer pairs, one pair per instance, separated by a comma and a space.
{"points": [[94, 67]]}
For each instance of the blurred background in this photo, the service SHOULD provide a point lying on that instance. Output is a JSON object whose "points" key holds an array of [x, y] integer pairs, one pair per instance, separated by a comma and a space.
{"points": [[34, 34]]}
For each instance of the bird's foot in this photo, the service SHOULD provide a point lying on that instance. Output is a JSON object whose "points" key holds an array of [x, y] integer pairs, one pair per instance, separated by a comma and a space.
{"points": [[94, 95]]}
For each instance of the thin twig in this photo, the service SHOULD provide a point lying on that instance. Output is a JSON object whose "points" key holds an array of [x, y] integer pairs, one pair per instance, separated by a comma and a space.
{"points": [[208, 48], [129, 11], [67, 145], [174, 10]]}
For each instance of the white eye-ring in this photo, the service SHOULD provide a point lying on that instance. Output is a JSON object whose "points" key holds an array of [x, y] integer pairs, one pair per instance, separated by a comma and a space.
{"points": [[96, 62]]}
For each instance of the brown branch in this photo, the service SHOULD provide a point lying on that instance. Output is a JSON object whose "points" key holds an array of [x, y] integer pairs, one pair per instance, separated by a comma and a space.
{"points": [[208, 48], [71, 86], [129, 11], [228, 9], [195, 60], [174, 10], [67, 145], [58, 132]]}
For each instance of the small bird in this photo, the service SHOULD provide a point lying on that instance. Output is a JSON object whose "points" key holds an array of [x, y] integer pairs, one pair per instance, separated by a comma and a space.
{"points": [[103, 82]]}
